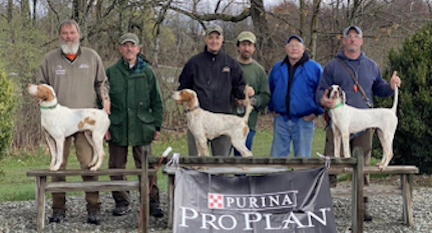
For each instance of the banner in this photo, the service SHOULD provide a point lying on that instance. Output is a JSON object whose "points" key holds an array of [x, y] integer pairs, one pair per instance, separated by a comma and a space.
{"points": [[287, 202]]}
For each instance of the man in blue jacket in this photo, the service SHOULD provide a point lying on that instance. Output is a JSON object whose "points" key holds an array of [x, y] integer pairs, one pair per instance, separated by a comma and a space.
{"points": [[349, 64], [293, 82]]}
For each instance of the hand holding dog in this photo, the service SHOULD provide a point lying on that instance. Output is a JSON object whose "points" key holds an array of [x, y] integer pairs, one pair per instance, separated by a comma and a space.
{"points": [[325, 101], [395, 80]]}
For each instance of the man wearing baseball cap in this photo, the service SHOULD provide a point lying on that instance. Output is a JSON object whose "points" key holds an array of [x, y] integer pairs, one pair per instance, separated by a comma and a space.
{"points": [[216, 77], [293, 83], [135, 96], [256, 77], [349, 64]]}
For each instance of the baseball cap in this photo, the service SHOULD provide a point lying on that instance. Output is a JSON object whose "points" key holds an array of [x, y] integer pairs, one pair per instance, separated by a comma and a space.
{"points": [[294, 37], [129, 37], [246, 36], [357, 29], [214, 28]]}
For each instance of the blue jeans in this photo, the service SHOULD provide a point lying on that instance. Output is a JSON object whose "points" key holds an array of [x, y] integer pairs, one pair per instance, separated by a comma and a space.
{"points": [[249, 141], [300, 133]]}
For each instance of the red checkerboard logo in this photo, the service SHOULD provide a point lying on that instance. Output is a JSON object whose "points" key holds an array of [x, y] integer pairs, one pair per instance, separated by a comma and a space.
{"points": [[215, 201]]}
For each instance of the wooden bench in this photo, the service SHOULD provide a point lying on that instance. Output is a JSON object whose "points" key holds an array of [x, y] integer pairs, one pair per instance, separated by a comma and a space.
{"points": [[218, 165], [43, 186]]}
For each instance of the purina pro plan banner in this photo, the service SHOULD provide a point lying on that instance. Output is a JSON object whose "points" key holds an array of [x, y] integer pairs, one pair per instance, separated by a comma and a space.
{"points": [[288, 202]]}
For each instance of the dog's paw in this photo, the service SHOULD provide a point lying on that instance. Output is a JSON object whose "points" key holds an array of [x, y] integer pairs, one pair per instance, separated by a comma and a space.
{"points": [[247, 155], [245, 168], [382, 167], [94, 168]]}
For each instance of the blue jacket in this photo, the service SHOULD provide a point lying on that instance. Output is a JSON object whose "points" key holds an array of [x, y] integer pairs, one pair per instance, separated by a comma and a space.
{"points": [[364, 69], [302, 92]]}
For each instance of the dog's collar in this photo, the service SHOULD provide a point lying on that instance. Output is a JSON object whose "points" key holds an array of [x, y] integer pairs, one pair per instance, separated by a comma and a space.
{"points": [[190, 110], [49, 107], [338, 105]]}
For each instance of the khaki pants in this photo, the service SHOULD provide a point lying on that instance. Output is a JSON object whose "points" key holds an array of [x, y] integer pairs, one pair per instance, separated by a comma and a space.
{"points": [[118, 159], [84, 152], [363, 141]]}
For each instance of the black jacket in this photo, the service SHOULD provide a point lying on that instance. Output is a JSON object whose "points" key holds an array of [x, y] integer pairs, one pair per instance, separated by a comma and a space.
{"points": [[216, 78]]}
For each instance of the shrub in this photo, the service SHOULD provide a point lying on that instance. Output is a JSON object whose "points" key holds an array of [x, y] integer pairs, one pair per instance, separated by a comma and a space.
{"points": [[6, 107], [412, 140]]}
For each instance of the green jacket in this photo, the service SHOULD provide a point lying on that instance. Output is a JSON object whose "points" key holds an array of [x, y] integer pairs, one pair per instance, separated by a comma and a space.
{"points": [[136, 103]]}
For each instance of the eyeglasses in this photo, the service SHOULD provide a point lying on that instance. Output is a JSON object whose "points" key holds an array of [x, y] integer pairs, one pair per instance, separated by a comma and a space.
{"points": [[356, 36], [293, 46]]}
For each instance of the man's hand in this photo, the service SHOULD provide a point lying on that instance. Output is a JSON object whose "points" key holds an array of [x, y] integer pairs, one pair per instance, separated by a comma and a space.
{"points": [[107, 135], [325, 101], [250, 91], [309, 117], [107, 105], [395, 80], [156, 135]]}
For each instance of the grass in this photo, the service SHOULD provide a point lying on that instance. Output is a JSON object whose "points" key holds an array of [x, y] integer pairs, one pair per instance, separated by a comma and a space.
{"points": [[16, 186]]}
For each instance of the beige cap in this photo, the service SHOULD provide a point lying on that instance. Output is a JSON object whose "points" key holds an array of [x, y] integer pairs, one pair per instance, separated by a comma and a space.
{"points": [[246, 36], [129, 37], [214, 28]]}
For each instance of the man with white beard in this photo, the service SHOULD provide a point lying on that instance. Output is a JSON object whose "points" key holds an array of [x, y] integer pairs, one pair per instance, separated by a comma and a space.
{"points": [[78, 77]]}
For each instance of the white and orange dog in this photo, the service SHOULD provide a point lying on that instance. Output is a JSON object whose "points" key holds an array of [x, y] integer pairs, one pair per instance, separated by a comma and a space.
{"points": [[205, 125], [348, 120], [60, 122]]}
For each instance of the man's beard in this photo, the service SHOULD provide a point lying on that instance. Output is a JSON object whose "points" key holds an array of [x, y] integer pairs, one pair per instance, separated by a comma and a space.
{"points": [[69, 48]]}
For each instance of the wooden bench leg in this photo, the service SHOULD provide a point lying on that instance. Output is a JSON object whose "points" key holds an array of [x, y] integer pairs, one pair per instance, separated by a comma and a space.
{"points": [[40, 202], [406, 182], [171, 179]]}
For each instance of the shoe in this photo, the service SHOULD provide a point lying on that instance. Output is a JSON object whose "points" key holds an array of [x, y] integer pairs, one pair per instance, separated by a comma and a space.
{"points": [[57, 217], [156, 211], [367, 217], [94, 217], [121, 210]]}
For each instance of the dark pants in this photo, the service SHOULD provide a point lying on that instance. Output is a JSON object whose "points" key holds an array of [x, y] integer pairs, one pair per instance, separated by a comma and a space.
{"points": [[220, 146], [363, 141], [118, 159], [84, 152]]}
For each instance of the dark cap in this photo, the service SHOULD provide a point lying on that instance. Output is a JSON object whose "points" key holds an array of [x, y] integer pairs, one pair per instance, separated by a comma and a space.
{"points": [[129, 37], [246, 36], [357, 29], [294, 37], [214, 28]]}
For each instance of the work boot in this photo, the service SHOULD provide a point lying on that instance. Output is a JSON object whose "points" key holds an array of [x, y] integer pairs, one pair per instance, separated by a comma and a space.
{"points": [[94, 217], [121, 210], [366, 216], [57, 216], [156, 211]]}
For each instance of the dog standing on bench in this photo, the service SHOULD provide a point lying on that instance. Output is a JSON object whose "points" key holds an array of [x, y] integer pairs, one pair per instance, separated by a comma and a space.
{"points": [[348, 120], [205, 125], [60, 122]]}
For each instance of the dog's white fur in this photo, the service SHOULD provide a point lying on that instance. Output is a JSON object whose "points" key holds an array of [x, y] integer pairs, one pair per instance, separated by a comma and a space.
{"points": [[348, 120], [60, 122], [205, 125]]}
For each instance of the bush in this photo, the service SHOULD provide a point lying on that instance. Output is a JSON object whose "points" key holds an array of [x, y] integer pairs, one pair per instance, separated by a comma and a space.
{"points": [[6, 107], [412, 140]]}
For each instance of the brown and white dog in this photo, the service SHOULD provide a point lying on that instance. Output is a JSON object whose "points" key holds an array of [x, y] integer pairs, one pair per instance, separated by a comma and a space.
{"points": [[348, 120], [60, 122], [205, 125]]}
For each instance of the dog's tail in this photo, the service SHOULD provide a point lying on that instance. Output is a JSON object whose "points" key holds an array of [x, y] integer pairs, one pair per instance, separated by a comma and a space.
{"points": [[395, 101], [248, 105]]}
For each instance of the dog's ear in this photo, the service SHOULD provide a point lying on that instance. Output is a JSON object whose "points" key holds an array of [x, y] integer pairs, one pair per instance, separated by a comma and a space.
{"points": [[342, 94], [330, 88]]}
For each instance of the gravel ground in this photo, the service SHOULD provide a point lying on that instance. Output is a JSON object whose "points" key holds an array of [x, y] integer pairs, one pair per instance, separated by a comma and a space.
{"points": [[20, 216]]}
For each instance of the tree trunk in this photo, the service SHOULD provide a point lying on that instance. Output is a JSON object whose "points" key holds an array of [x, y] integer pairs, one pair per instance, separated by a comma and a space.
{"points": [[9, 10]]}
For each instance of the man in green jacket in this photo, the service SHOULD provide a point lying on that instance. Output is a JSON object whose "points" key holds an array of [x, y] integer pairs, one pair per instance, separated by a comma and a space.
{"points": [[256, 77], [136, 116]]}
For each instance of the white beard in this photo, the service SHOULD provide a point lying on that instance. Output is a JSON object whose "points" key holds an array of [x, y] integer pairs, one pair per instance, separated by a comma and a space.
{"points": [[69, 48]]}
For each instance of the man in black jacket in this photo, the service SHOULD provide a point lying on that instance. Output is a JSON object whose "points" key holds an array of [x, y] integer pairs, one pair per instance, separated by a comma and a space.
{"points": [[216, 77]]}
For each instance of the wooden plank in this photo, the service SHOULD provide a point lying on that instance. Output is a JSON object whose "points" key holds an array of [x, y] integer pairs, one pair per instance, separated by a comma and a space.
{"points": [[368, 191], [79, 172], [91, 186], [233, 161], [170, 200], [393, 169], [357, 208], [233, 170], [406, 182], [40, 202]]}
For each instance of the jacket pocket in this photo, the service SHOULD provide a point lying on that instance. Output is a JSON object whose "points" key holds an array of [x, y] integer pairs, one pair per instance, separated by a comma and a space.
{"points": [[148, 126]]}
